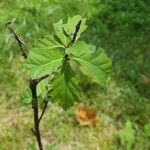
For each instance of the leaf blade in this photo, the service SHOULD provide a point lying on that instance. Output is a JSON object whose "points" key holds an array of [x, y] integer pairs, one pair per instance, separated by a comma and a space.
{"points": [[44, 58], [65, 89], [96, 65], [70, 26], [59, 32], [79, 48]]}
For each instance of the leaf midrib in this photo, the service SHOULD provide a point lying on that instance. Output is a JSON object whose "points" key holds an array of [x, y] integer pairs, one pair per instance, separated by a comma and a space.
{"points": [[89, 63], [48, 63]]}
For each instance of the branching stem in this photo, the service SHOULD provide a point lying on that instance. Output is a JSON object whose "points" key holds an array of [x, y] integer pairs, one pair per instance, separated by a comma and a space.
{"points": [[43, 111], [33, 87], [36, 130], [34, 82]]}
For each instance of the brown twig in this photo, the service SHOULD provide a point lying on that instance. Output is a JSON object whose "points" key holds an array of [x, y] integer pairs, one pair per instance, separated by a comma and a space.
{"points": [[43, 111], [20, 42], [36, 130], [75, 33], [33, 131], [33, 87], [42, 78]]}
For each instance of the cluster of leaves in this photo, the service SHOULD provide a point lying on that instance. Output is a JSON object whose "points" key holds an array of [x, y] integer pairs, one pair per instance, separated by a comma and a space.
{"points": [[29, 20], [128, 21], [62, 56]]}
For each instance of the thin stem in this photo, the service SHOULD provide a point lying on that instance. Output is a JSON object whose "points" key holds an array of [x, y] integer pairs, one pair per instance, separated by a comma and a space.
{"points": [[42, 78], [20, 42], [36, 131], [33, 87], [75, 33], [43, 111]]}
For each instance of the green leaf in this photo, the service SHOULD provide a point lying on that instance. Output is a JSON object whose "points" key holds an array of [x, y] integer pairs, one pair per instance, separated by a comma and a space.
{"points": [[79, 48], [26, 97], [48, 43], [65, 88], [59, 31], [96, 65], [45, 58], [70, 26]]}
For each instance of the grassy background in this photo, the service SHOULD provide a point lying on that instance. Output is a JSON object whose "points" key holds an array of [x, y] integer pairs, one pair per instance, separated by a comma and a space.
{"points": [[122, 29]]}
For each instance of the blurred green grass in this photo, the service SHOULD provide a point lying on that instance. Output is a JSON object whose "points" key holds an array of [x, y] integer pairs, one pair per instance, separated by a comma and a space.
{"points": [[122, 29]]}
